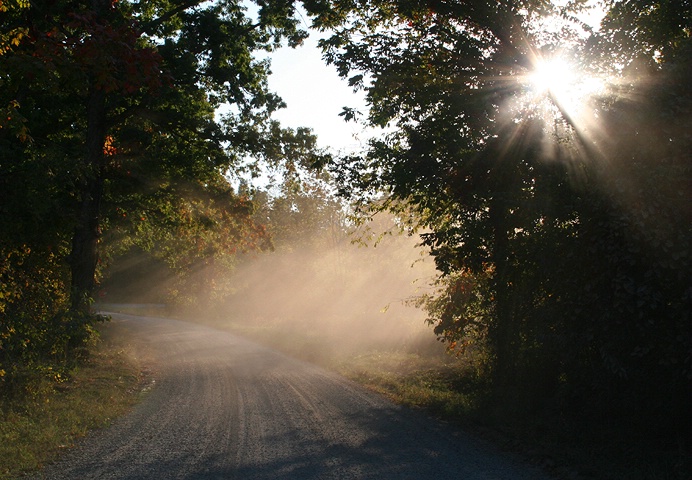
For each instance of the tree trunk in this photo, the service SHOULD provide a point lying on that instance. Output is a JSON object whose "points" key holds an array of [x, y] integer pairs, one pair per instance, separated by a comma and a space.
{"points": [[504, 329], [84, 255], [83, 258], [503, 334]]}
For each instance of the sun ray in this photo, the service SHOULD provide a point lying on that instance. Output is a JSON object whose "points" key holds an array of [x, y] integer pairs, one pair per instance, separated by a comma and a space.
{"points": [[562, 94]]}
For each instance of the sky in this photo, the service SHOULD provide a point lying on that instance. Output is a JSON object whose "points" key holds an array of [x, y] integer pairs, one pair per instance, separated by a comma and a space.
{"points": [[315, 95]]}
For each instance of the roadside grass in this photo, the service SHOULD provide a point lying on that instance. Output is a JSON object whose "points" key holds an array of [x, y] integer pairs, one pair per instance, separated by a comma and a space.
{"points": [[568, 446], [47, 418], [430, 383]]}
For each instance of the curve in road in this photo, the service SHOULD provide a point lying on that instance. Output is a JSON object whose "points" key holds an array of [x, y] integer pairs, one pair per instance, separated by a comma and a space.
{"points": [[226, 408]]}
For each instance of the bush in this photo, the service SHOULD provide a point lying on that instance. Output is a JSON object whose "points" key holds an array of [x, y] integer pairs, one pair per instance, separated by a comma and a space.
{"points": [[39, 337]]}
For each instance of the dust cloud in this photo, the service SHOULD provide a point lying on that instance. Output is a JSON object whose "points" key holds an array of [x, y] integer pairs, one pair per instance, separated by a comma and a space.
{"points": [[321, 298], [328, 302]]}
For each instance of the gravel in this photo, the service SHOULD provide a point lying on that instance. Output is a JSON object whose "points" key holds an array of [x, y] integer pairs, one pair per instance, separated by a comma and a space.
{"points": [[222, 407]]}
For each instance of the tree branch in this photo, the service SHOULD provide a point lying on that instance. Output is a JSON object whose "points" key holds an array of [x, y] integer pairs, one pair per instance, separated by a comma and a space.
{"points": [[150, 26]]}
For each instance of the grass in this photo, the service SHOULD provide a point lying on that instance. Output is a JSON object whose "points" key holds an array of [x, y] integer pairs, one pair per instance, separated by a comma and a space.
{"points": [[569, 447], [411, 379], [49, 417]]}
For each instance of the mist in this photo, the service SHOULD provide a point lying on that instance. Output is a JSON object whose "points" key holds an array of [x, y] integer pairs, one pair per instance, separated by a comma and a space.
{"points": [[322, 294], [328, 302]]}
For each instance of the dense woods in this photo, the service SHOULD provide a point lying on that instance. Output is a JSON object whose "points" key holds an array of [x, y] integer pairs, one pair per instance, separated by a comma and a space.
{"points": [[559, 220], [560, 225]]}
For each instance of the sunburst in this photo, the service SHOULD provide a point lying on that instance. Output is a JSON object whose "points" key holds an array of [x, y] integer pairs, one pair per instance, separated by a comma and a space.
{"points": [[566, 85]]}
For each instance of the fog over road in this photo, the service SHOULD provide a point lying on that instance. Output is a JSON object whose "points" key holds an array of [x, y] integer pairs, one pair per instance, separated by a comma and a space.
{"points": [[225, 408]]}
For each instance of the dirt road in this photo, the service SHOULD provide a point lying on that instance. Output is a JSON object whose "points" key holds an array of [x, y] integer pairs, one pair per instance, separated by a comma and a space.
{"points": [[225, 408]]}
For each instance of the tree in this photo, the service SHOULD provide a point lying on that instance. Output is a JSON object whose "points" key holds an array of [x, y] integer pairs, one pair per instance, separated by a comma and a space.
{"points": [[524, 198], [121, 89], [448, 76], [112, 135]]}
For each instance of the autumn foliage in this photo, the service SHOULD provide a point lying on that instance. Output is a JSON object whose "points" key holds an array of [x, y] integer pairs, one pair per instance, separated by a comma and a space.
{"points": [[110, 141]]}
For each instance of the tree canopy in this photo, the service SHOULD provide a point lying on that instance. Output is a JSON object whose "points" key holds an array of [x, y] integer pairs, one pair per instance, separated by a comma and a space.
{"points": [[557, 215], [121, 124]]}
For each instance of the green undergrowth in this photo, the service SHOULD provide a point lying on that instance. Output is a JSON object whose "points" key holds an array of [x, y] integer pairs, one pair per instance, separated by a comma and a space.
{"points": [[566, 445], [444, 387], [46, 417]]}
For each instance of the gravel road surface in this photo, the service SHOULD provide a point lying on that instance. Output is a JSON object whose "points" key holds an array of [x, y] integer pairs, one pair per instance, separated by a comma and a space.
{"points": [[223, 407]]}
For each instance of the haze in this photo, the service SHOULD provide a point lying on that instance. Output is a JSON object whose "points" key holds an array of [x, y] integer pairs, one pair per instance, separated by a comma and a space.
{"points": [[322, 301]]}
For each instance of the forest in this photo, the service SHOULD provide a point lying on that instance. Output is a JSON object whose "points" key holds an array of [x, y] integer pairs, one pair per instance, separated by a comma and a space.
{"points": [[556, 212]]}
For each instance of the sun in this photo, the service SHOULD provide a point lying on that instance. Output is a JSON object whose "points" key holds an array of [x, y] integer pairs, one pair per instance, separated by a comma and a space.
{"points": [[564, 81], [563, 85], [553, 76], [558, 92], [558, 97]]}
